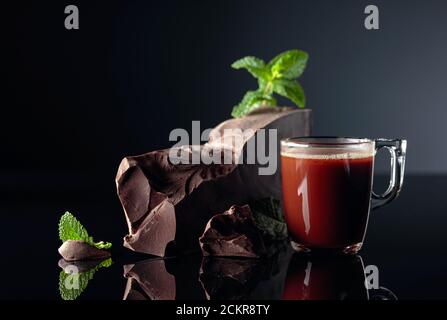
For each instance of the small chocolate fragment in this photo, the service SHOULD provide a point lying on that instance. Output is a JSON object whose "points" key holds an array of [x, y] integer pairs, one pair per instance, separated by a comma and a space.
{"points": [[72, 250], [232, 234]]}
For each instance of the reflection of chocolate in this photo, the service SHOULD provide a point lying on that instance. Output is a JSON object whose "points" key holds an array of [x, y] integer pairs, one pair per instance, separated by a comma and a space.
{"points": [[81, 265], [149, 280], [232, 234], [229, 278], [236, 278], [192, 277], [72, 250], [164, 279], [166, 203]]}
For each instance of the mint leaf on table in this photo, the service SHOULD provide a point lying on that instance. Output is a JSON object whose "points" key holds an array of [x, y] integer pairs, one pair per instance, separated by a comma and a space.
{"points": [[268, 217], [278, 76], [71, 229], [71, 285]]}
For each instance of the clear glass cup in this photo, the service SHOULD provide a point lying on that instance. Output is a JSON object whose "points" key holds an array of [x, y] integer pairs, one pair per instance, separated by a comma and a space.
{"points": [[327, 189]]}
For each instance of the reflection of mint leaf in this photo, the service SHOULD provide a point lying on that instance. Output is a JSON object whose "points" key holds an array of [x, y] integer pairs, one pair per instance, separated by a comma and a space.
{"points": [[290, 89], [268, 217], [71, 285], [71, 229], [251, 101]]}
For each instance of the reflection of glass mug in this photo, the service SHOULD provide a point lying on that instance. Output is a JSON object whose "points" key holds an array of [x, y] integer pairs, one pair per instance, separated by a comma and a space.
{"points": [[339, 277], [327, 189]]}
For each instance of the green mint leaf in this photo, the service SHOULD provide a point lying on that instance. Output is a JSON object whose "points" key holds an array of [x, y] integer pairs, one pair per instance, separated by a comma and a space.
{"points": [[71, 285], [268, 217], [275, 77], [71, 229], [251, 101], [291, 90], [254, 65], [288, 65], [103, 245]]}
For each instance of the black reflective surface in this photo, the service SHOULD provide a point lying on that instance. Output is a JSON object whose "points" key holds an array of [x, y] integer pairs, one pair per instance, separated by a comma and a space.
{"points": [[406, 241]]}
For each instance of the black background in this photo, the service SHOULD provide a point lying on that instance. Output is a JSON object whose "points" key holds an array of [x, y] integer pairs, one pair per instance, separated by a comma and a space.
{"points": [[75, 102]]}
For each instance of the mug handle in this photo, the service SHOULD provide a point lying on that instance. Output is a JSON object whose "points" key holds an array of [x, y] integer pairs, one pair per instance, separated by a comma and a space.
{"points": [[397, 149]]}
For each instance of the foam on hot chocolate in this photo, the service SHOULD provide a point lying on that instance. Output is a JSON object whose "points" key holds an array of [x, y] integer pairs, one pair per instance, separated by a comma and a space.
{"points": [[299, 154]]}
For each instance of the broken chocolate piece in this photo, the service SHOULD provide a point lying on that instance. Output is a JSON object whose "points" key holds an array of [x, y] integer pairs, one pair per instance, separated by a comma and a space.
{"points": [[72, 250], [168, 205], [233, 234]]}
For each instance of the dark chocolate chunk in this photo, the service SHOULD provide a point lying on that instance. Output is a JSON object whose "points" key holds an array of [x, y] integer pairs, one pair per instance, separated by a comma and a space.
{"points": [[233, 234], [168, 205], [72, 250]]}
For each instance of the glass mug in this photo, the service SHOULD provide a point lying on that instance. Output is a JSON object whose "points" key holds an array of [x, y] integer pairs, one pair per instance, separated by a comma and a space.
{"points": [[327, 189]]}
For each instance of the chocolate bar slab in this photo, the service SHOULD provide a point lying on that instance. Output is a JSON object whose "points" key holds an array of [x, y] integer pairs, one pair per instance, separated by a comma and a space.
{"points": [[168, 205]]}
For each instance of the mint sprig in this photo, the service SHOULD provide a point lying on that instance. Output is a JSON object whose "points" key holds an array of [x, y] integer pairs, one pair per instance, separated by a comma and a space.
{"points": [[71, 229], [278, 76]]}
